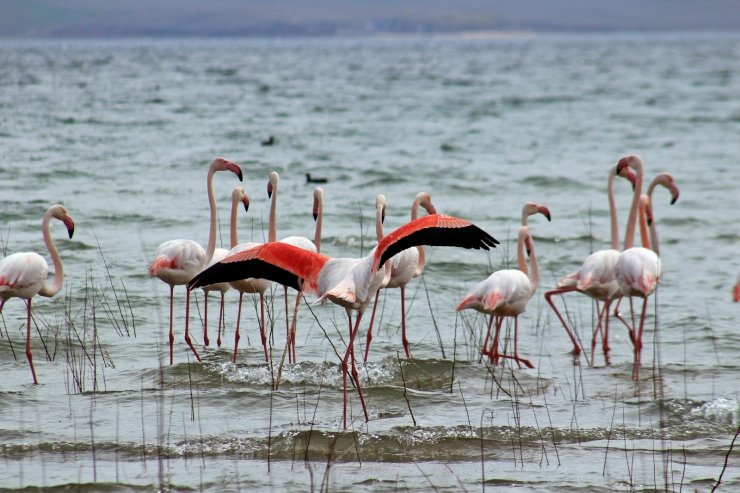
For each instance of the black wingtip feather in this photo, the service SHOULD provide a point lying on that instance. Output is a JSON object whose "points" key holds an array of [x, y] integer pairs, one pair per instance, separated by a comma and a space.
{"points": [[235, 271], [470, 237]]}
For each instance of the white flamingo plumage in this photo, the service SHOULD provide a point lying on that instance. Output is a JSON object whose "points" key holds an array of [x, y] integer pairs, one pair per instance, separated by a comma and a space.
{"points": [[407, 265], [506, 293], [24, 274], [348, 282], [177, 261]]}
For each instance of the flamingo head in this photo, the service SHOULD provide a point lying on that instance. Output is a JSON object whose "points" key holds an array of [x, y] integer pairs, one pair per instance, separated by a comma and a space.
{"points": [[645, 208], [528, 244], [240, 195], [531, 208], [318, 199], [272, 183], [632, 161], [628, 173], [666, 179], [424, 200], [223, 164], [60, 212], [380, 205]]}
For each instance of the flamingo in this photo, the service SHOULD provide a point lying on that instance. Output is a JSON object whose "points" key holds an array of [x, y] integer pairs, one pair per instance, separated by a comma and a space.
{"points": [[24, 274], [406, 265], [177, 261], [238, 195], [256, 285], [348, 282], [505, 293], [596, 277], [638, 268], [312, 246]]}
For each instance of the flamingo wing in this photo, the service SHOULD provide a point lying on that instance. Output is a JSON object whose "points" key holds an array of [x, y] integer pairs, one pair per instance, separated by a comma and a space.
{"points": [[22, 274], [280, 262], [432, 230]]}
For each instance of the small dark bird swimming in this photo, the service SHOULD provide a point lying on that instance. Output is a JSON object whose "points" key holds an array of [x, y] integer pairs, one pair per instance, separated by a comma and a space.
{"points": [[269, 141], [316, 179]]}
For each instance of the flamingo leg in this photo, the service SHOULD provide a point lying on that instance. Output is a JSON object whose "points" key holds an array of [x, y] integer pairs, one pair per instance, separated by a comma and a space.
{"points": [[205, 318], [220, 319], [172, 334], [605, 339], [29, 355], [624, 322], [494, 353], [519, 360], [287, 326], [548, 298], [599, 328], [187, 321], [370, 328], [293, 325], [263, 336], [488, 336], [237, 336], [403, 323], [638, 341], [351, 353]]}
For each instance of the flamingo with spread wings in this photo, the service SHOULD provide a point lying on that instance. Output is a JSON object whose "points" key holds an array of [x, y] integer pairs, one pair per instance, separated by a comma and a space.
{"points": [[348, 282]]}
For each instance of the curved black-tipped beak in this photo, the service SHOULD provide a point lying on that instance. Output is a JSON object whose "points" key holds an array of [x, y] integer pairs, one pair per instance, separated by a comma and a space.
{"points": [[269, 190], [246, 205], [674, 197], [69, 223]]}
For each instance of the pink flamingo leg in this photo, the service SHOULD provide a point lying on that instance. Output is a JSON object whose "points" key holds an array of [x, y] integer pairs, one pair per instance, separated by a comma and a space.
{"points": [[484, 350], [494, 352], [351, 353], [205, 318], [599, 328], [220, 319], [29, 355], [237, 336], [548, 298], [172, 334], [187, 320], [370, 329], [294, 325], [519, 360], [263, 336], [287, 327], [403, 323], [638, 341]]}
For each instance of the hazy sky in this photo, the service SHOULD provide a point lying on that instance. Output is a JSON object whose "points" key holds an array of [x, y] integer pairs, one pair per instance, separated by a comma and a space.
{"points": [[335, 17]]}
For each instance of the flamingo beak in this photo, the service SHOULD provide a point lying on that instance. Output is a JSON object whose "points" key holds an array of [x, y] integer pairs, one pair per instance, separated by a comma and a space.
{"points": [[269, 190], [234, 168], [315, 210], [674, 194], [70, 224], [382, 216], [545, 212], [245, 201]]}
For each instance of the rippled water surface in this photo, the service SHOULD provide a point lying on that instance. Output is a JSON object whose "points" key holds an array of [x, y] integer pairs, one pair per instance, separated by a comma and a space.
{"points": [[121, 133]]}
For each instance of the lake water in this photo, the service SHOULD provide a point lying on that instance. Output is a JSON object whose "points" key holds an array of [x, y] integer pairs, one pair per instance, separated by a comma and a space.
{"points": [[121, 132]]}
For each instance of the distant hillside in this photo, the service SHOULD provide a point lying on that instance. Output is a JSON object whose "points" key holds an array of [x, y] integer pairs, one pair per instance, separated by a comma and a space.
{"points": [[100, 18]]}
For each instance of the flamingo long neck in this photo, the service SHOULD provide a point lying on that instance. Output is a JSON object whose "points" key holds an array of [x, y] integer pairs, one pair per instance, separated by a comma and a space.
{"points": [[629, 237], [520, 256], [233, 234], [319, 225], [272, 227], [653, 228], [644, 234], [613, 209], [214, 220], [379, 224], [50, 290]]}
